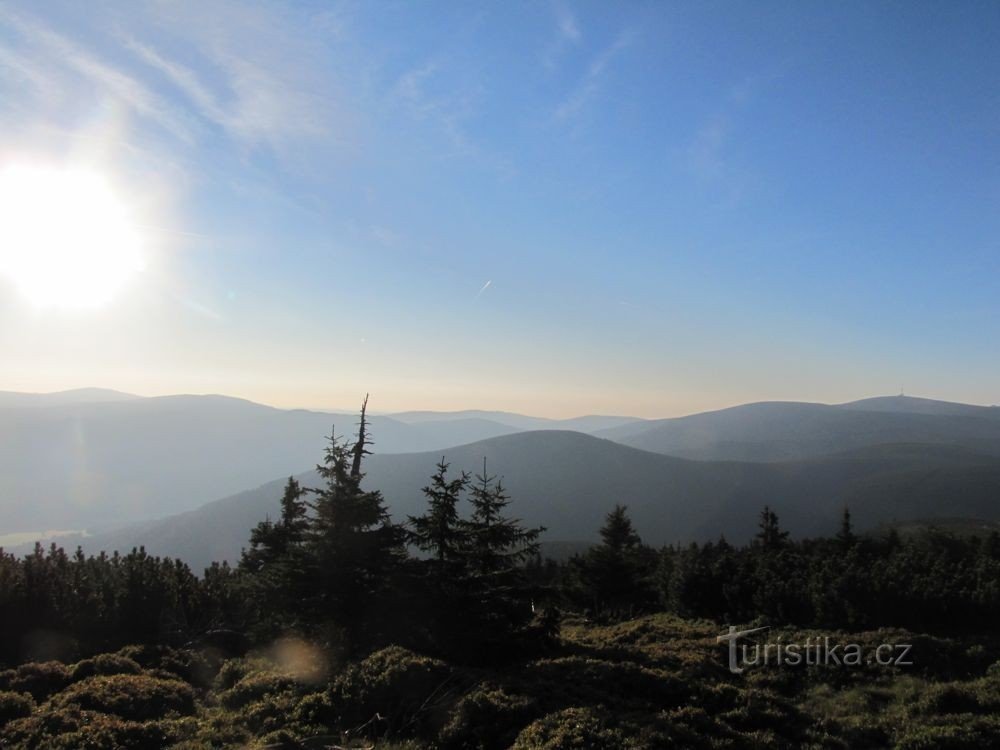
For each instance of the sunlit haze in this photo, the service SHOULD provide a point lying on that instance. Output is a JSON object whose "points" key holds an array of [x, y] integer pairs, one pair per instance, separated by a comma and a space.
{"points": [[65, 238], [551, 208]]}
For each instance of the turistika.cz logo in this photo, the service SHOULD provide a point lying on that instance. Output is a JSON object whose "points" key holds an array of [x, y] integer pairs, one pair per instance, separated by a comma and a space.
{"points": [[813, 651]]}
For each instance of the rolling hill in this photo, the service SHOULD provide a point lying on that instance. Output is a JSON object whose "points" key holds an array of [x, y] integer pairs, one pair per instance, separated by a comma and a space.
{"points": [[782, 431], [14, 399], [567, 481], [520, 422], [74, 464], [914, 405], [91, 457]]}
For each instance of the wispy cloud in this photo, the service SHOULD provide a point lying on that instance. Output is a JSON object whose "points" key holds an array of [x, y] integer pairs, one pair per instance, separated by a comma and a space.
{"points": [[710, 153], [184, 78], [592, 82], [21, 70], [712, 163], [56, 65], [249, 70], [435, 94], [260, 109], [414, 89], [706, 154], [566, 35], [566, 23], [483, 288], [264, 73], [385, 236]]}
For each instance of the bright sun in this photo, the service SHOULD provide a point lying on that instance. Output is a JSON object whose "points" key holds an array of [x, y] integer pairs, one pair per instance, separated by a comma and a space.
{"points": [[65, 237]]}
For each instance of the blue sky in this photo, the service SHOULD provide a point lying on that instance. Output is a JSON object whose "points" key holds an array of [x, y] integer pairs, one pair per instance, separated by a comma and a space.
{"points": [[559, 208]]}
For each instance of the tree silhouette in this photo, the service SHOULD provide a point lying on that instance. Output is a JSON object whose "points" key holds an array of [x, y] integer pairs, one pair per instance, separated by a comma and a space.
{"points": [[845, 534], [274, 563], [770, 535], [440, 531], [351, 545], [615, 577]]}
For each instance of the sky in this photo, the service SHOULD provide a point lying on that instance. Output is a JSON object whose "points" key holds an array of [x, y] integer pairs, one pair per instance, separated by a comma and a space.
{"points": [[555, 208]]}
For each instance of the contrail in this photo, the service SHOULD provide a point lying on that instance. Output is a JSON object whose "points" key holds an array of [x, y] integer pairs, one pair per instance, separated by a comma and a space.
{"points": [[483, 288]]}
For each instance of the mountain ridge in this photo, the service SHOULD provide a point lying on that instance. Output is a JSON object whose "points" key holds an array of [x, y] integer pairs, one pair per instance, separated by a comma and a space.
{"points": [[786, 430], [87, 464], [567, 481]]}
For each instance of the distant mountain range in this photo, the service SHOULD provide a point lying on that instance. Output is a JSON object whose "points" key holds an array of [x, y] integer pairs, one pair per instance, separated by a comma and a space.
{"points": [[13, 399], [568, 481], [781, 431], [91, 459], [520, 422]]}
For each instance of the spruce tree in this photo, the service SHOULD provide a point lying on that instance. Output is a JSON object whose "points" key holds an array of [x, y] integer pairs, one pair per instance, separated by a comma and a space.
{"points": [[845, 535], [770, 535], [440, 594], [271, 541], [496, 544], [615, 578], [498, 595], [617, 532], [440, 531], [273, 564], [352, 547]]}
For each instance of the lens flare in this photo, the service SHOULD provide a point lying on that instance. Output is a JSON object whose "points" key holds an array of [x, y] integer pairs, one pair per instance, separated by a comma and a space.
{"points": [[66, 239]]}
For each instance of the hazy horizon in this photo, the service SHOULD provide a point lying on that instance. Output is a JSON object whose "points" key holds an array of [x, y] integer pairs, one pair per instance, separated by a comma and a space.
{"points": [[375, 408]]}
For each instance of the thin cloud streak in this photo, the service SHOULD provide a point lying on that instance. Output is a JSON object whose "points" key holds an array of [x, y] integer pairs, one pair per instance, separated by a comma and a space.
{"points": [[270, 87], [567, 35], [591, 83], [50, 45], [566, 24], [258, 112], [449, 113], [446, 112], [709, 157], [706, 154], [273, 85]]}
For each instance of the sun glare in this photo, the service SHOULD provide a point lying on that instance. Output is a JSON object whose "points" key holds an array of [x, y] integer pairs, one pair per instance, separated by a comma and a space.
{"points": [[66, 239]]}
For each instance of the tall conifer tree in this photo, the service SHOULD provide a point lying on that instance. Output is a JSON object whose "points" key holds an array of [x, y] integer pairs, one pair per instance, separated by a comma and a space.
{"points": [[352, 545], [440, 532]]}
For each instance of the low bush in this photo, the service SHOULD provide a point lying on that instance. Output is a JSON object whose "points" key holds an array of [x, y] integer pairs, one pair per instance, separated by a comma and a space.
{"points": [[136, 697], [409, 691], [569, 729], [73, 729], [103, 664], [977, 697], [963, 733], [576, 681], [40, 729], [233, 670], [254, 687], [315, 709], [41, 679], [272, 713], [196, 667], [217, 728], [15, 706], [488, 717], [758, 709]]}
